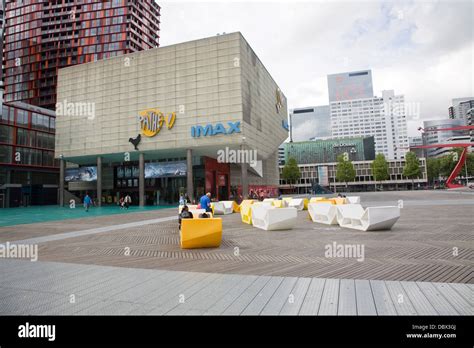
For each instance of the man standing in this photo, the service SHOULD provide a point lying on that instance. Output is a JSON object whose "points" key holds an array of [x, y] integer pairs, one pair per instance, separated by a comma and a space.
{"points": [[205, 202], [87, 202]]}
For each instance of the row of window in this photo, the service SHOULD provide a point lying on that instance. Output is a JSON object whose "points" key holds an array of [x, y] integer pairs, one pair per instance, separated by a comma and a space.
{"points": [[26, 156], [26, 137], [27, 119]]}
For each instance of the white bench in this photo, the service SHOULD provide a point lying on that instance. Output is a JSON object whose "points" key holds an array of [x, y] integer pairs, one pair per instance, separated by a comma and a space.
{"points": [[196, 212], [268, 199], [297, 203], [264, 203], [370, 219], [223, 207], [353, 199], [325, 213], [270, 218], [190, 206]]}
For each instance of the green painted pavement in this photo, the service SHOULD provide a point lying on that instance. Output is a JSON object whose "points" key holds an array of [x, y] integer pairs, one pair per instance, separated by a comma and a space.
{"points": [[30, 215]]}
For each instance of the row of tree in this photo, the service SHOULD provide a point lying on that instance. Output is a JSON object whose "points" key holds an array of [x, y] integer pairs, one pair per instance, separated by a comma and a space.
{"points": [[345, 171], [443, 166]]}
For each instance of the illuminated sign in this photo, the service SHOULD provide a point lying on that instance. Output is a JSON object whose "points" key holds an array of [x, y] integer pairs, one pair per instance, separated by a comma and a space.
{"points": [[152, 120], [218, 128]]}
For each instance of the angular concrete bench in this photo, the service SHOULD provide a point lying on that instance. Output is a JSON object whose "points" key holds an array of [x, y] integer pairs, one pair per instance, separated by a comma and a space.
{"points": [[297, 203], [279, 203], [197, 212], [325, 213], [315, 199], [223, 207], [246, 211], [190, 206], [271, 219], [370, 219], [200, 233], [353, 199]]}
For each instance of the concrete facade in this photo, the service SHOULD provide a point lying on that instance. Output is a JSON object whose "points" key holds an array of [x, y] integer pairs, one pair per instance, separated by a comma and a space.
{"points": [[208, 81]]}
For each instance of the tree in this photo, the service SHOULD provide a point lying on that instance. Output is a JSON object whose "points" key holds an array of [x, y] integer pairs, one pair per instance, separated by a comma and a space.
{"points": [[432, 169], [412, 168], [447, 163], [345, 171], [291, 172], [380, 169]]}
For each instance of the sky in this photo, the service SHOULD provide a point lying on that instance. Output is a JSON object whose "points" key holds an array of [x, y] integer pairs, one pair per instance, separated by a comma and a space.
{"points": [[421, 49]]}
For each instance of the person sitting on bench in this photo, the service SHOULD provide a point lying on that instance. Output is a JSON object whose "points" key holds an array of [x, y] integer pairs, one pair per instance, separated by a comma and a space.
{"points": [[185, 214]]}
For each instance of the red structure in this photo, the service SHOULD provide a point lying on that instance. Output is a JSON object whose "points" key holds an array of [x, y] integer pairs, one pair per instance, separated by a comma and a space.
{"points": [[462, 159], [44, 36]]}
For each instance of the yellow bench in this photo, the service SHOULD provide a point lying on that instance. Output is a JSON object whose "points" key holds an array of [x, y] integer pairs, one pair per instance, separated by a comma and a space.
{"points": [[315, 199], [200, 233], [335, 201], [246, 211], [279, 203], [306, 201], [236, 207]]}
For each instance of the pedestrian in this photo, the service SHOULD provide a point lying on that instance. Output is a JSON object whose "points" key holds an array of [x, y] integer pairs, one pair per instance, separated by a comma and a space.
{"points": [[185, 214], [127, 201], [182, 200], [205, 202], [121, 202], [87, 202]]}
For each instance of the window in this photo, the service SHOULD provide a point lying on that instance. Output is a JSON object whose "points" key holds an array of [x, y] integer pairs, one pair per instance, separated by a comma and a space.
{"points": [[6, 154], [22, 117], [6, 134]]}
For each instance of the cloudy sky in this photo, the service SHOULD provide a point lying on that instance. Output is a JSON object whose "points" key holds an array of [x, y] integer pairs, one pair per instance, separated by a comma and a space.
{"points": [[422, 49]]}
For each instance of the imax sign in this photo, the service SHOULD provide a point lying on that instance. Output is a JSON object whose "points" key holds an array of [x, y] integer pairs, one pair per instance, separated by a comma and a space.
{"points": [[218, 128]]}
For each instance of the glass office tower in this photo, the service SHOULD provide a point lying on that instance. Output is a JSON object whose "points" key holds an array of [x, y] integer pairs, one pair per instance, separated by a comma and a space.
{"points": [[350, 85]]}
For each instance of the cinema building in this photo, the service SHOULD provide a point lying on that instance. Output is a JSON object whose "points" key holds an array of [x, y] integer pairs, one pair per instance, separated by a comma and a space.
{"points": [[199, 116]]}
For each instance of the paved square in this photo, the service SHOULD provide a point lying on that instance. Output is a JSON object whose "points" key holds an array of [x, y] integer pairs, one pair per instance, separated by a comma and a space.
{"points": [[133, 265]]}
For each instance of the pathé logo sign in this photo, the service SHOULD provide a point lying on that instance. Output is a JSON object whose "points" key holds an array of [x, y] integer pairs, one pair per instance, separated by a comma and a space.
{"points": [[152, 120]]}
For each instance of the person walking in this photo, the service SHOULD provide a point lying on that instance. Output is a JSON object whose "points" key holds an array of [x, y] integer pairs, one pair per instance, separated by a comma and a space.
{"points": [[121, 202], [182, 200], [205, 202], [87, 202], [127, 201]]}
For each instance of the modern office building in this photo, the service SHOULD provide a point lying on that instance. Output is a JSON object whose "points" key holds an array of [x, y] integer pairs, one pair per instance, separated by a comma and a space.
{"points": [[350, 85], [441, 137], [443, 151], [417, 141], [325, 151], [324, 174], [310, 123], [186, 117], [28, 172], [384, 118], [460, 108], [2, 31], [281, 155], [44, 36]]}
